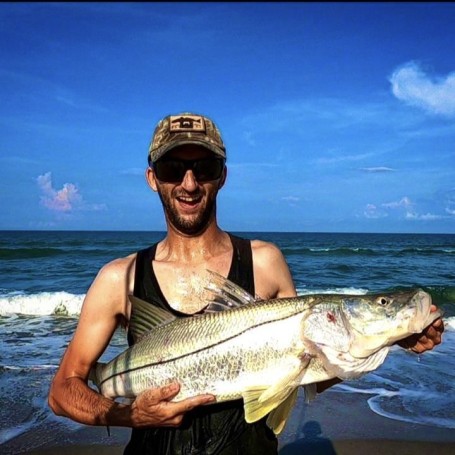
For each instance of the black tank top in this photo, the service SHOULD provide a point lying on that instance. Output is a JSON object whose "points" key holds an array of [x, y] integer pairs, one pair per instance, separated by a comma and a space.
{"points": [[214, 429]]}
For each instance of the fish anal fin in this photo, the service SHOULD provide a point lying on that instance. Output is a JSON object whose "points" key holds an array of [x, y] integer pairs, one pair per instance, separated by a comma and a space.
{"points": [[255, 410], [260, 400], [278, 417]]}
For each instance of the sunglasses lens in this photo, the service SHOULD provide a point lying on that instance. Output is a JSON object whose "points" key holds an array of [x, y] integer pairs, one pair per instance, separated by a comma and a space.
{"points": [[169, 170], [204, 170]]}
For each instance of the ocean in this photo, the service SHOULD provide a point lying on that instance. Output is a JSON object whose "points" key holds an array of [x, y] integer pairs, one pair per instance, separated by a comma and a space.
{"points": [[45, 275]]}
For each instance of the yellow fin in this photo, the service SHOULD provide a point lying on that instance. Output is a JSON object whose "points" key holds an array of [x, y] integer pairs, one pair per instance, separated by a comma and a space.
{"points": [[278, 417], [279, 391], [254, 410], [260, 400]]}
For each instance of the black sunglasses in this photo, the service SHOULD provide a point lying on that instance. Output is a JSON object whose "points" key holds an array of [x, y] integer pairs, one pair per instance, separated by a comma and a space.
{"points": [[173, 170]]}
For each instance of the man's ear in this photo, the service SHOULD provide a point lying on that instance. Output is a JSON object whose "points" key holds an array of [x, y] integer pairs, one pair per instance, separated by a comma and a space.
{"points": [[151, 179]]}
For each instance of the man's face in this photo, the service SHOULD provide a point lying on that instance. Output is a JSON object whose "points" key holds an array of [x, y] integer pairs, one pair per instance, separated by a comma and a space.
{"points": [[189, 204]]}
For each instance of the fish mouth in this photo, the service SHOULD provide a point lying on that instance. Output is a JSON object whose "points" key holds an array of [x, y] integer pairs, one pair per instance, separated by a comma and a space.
{"points": [[422, 301]]}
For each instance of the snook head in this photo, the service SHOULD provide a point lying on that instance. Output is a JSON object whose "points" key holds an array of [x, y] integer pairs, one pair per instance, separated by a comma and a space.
{"points": [[381, 320]]}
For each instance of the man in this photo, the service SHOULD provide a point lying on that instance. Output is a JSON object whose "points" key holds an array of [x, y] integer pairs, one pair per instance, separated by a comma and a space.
{"points": [[187, 169]]}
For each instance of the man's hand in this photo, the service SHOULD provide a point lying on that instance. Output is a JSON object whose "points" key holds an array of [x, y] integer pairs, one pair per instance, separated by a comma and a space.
{"points": [[154, 408], [430, 337]]}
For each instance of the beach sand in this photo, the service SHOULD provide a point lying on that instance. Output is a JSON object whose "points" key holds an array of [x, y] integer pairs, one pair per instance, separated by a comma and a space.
{"points": [[351, 447], [336, 423]]}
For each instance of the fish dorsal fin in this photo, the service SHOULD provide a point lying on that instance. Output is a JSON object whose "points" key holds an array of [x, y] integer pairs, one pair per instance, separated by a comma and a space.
{"points": [[278, 417], [224, 294], [145, 317]]}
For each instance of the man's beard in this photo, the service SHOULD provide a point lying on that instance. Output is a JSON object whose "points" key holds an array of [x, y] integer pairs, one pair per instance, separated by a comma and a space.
{"points": [[188, 226]]}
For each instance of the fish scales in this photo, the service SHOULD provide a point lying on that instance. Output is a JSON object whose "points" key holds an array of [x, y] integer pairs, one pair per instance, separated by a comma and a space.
{"points": [[169, 351], [256, 355]]}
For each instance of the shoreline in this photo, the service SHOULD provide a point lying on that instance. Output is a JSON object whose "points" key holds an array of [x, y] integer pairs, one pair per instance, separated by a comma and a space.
{"points": [[335, 423]]}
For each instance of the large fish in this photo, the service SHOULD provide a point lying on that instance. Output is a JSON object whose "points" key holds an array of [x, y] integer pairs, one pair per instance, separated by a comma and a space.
{"points": [[261, 351]]}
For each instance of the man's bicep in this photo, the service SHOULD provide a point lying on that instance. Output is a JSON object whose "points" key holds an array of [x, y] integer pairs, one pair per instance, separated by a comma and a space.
{"points": [[98, 321], [272, 271]]}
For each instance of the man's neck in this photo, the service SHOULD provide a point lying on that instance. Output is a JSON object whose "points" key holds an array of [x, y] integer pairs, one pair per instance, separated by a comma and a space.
{"points": [[193, 249]]}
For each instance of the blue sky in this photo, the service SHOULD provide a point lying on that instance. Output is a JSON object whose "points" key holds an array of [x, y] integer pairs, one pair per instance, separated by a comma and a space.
{"points": [[337, 117]]}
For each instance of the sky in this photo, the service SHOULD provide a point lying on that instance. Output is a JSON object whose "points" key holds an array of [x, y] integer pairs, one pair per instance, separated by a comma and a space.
{"points": [[337, 117]]}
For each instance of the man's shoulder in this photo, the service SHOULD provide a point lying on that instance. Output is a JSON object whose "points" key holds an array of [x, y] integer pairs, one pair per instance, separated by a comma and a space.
{"points": [[118, 268], [264, 247]]}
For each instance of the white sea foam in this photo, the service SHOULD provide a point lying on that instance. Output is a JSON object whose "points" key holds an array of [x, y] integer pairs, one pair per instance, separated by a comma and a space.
{"points": [[41, 304], [345, 291]]}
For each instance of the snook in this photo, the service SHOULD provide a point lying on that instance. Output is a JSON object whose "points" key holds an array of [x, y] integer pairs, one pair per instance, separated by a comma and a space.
{"points": [[261, 351]]}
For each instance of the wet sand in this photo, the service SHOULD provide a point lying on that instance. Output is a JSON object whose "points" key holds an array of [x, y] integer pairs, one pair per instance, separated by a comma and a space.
{"points": [[335, 423], [359, 447]]}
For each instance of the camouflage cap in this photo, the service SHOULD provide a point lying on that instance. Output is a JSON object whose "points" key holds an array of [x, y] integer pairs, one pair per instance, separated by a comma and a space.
{"points": [[185, 128]]}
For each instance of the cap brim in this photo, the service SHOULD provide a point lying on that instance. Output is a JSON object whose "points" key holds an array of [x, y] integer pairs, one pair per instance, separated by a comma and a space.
{"points": [[162, 151]]}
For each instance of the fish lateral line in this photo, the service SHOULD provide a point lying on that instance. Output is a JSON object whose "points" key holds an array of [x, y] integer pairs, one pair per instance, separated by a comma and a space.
{"points": [[197, 351]]}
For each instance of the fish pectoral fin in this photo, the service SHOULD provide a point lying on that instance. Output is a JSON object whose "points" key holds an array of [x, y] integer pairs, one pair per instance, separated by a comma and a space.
{"points": [[278, 417], [145, 317]]}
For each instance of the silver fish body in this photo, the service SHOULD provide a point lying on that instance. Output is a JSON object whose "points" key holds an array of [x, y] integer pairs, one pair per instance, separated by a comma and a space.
{"points": [[263, 351]]}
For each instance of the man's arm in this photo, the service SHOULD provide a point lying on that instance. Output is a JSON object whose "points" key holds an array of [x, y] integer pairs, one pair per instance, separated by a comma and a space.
{"points": [[105, 308], [272, 277]]}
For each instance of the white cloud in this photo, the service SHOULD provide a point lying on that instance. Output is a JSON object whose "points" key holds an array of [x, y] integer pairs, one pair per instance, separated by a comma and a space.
{"points": [[65, 200], [413, 86], [343, 158], [291, 199], [377, 169], [62, 200], [404, 207], [403, 202], [373, 212]]}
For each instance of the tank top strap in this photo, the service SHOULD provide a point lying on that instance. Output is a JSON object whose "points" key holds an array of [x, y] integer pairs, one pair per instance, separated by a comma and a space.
{"points": [[241, 271]]}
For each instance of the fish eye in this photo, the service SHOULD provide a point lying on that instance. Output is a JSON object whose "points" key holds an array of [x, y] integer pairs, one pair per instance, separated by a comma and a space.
{"points": [[383, 301]]}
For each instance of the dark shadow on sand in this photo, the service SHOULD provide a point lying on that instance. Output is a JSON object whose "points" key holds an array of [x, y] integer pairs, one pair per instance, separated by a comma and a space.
{"points": [[311, 443]]}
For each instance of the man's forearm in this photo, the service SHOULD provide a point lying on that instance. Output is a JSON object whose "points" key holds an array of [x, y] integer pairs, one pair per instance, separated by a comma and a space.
{"points": [[76, 400]]}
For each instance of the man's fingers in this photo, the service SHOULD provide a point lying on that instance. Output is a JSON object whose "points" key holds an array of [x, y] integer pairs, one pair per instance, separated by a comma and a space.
{"points": [[190, 403], [169, 391]]}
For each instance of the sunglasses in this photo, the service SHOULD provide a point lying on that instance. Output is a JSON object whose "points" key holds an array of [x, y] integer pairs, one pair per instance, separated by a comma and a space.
{"points": [[173, 170]]}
